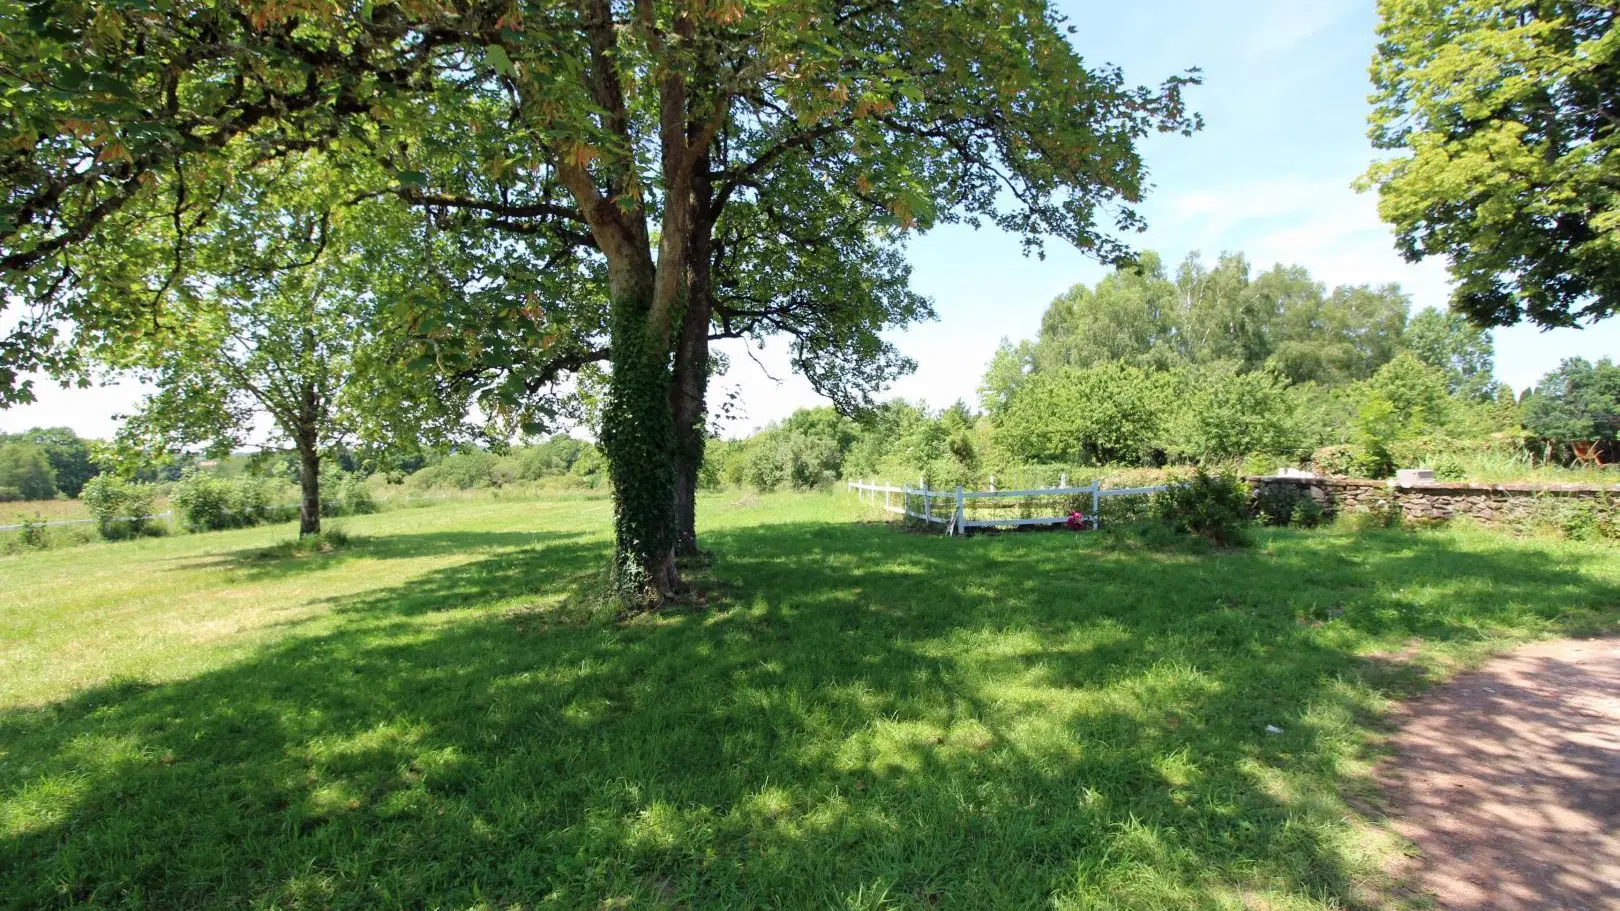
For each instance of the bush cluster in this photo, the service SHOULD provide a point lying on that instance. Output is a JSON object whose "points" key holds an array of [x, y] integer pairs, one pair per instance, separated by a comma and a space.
{"points": [[559, 462], [122, 509], [346, 494], [1215, 507], [1577, 520], [205, 502], [36, 535]]}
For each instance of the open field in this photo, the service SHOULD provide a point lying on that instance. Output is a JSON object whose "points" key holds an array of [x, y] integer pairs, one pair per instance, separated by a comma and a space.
{"points": [[861, 718], [47, 510]]}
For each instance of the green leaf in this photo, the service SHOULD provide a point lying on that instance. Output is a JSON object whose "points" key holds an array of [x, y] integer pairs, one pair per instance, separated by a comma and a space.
{"points": [[413, 178], [496, 55]]}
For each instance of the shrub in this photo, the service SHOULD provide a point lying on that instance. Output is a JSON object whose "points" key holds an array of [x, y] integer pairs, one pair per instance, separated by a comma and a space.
{"points": [[38, 536], [1308, 513], [1447, 467], [1225, 415], [1577, 520], [1109, 413], [259, 499], [346, 494], [9, 494], [782, 457], [209, 503], [462, 470], [122, 509], [1383, 514], [358, 498], [1276, 503], [1336, 461], [591, 465], [1209, 506], [205, 503]]}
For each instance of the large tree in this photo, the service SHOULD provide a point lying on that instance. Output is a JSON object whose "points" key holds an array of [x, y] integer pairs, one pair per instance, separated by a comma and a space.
{"points": [[287, 316], [1504, 115], [1578, 402], [1465, 353], [626, 129]]}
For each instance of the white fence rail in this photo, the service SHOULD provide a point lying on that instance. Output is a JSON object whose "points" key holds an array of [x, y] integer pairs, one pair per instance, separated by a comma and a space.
{"points": [[949, 507], [54, 523]]}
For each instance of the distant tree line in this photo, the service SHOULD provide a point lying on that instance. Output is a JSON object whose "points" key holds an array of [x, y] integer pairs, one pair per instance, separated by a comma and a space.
{"points": [[1210, 365], [40, 463]]}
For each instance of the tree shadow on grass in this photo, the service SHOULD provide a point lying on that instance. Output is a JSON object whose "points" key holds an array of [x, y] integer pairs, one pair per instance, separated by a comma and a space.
{"points": [[870, 720]]}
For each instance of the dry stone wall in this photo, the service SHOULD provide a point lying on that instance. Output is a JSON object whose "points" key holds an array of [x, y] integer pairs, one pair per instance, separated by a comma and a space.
{"points": [[1492, 504]]}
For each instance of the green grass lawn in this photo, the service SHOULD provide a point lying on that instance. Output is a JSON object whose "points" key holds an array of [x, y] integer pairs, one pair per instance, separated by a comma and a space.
{"points": [[860, 718]]}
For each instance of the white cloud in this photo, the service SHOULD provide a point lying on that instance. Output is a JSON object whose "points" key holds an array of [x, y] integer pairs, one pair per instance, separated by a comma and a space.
{"points": [[1323, 225]]}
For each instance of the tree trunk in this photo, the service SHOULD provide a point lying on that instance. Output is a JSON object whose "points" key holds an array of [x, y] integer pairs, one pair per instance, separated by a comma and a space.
{"points": [[688, 393], [638, 437], [309, 482]]}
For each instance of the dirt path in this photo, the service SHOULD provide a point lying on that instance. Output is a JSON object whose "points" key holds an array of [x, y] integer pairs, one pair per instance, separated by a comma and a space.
{"points": [[1508, 781]]}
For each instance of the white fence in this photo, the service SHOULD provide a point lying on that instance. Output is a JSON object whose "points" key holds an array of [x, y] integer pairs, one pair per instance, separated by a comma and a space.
{"points": [[54, 523], [950, 507]]}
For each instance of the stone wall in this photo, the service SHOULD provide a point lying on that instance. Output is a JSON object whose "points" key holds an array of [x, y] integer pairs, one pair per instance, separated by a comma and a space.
{"points": [[1500, 504]]}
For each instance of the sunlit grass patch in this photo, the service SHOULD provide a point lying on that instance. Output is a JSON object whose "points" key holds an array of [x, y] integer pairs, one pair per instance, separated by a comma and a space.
{"points": [[853, 717]]}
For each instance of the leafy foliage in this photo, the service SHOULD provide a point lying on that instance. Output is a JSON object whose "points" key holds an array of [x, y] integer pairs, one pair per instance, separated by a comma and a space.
{"points": [[26, 472], [1282, 318], [122, 508], [208, 503], [1210, 506], [1462, 351], [1504, 113], [70, 457], [1226, 415], [1109, 413], [1578, 401]]}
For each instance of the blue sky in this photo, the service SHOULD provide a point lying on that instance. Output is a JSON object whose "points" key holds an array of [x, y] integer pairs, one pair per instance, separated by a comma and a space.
{"points": [[1285, 105], [1284, 100]]}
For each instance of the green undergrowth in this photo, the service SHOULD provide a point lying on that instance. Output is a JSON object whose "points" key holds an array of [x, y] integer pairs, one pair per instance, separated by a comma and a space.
{"points": [[838, 715]]}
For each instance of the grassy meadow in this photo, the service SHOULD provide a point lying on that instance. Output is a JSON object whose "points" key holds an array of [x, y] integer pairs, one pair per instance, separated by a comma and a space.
{"points": [[851, 716]]}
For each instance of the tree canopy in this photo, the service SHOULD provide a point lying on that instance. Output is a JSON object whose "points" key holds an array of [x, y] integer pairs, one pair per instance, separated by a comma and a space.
{"points": [[71, 460], [1448, 342], [614, 133], [1578, 401], [1282, 319], [1503, 116], [25, 472]]}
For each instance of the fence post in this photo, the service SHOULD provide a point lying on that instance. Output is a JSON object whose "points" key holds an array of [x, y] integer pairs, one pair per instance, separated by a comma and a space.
{"points": [[1096, 504], [928, 504], [992, 483], [961, 513], [1063, 480]]}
